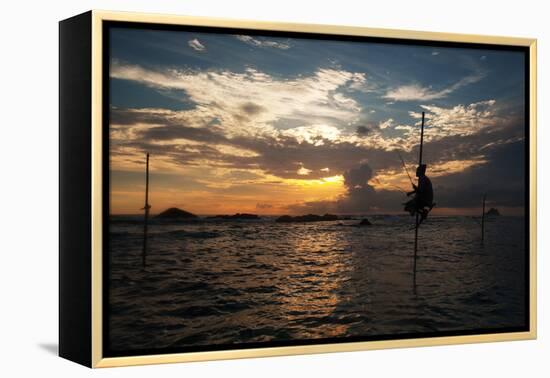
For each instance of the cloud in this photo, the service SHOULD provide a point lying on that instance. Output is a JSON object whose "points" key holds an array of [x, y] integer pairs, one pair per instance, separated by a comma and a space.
{"points": [[357, 178], [501, 178], [252, 108], [183, 138], [314, 109], [417, 92], [196, 45], [264, 42], [314, 134], [461, 119], [226, 96], [363, 130], [464, 130], [476, 150], [303, 171], [460, 164], [385, 124], [360, 196], [498, 172]]}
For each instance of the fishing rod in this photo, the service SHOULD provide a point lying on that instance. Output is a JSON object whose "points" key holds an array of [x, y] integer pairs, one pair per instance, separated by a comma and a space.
{"points": [[405, 167], [391, 185], [398, 188]]}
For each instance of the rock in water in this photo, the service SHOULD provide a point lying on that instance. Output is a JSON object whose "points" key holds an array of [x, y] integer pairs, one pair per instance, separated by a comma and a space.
{"points": [[493, 212], [365, 222], [175, 213]]}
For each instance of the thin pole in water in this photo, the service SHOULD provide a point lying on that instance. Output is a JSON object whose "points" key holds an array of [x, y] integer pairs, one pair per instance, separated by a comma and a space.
{"points": [[421, 140], [483, 220], [417, 220], [146, 218], [415, 247]]}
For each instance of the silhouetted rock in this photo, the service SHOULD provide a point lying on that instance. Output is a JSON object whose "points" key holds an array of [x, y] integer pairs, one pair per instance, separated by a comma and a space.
{"points": [[285, 219], [175, 213], [365, 222], [493, 212], [306, 218], [236, 216]]}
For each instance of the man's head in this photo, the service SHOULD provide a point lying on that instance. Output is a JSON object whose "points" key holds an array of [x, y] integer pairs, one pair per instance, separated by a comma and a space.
{"points": [[421, 170]]}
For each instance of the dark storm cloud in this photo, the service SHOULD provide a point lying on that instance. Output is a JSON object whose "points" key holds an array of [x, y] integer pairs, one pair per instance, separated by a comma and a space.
{"points": [[363, 130], [167, 133], [361, 197], [251, 108], [129, 117], [357, 178], [165, 128], [284, 159], [501, 178]]}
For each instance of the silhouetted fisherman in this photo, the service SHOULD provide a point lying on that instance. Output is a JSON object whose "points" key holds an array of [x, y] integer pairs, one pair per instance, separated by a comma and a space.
{"points": [[422, 203]]}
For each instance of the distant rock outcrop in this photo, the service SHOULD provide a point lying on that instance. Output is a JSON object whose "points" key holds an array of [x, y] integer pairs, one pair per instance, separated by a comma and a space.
{"points": [[306, 218], [365, 222], [175, 213], [236, 216], [493, 212]]}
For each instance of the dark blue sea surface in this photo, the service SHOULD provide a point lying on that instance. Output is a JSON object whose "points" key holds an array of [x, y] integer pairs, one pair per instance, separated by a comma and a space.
{"points": [[217, 281]]}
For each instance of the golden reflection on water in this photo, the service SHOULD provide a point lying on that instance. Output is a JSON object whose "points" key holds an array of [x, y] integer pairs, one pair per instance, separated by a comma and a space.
{"points": [[314, 280]]}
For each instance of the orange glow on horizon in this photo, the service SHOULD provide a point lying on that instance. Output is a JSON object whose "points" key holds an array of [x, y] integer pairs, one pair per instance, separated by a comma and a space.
{"points": [[264, 198]]}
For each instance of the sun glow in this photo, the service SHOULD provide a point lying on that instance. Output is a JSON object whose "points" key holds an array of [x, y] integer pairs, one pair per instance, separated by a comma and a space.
{"points": [[325, 181]]}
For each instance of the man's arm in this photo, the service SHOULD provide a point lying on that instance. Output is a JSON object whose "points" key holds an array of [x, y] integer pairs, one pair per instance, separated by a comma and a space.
{"points": [[415, 188]]}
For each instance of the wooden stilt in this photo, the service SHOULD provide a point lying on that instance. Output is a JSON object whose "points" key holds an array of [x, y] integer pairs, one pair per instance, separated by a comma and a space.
{"points": [[146, 218], [417, 220], [483, 220], [415, 248], [421, 140]]}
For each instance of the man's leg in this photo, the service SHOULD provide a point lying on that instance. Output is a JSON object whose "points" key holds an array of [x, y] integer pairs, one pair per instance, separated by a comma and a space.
{"points": [[423, 215]]}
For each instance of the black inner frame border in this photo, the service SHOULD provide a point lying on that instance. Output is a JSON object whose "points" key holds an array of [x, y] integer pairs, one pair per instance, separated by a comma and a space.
{"points": [[106, 28]]}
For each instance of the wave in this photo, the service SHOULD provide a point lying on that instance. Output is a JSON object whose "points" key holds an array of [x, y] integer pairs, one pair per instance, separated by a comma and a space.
{"points": [[189, 234]]}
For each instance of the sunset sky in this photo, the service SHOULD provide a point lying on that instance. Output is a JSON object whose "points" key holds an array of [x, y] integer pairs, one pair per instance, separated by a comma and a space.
{"points": [[247, 123]]}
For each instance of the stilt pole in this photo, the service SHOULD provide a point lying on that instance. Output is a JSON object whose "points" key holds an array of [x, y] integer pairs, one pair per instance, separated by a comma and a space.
{"points": [[417, 220], [483, 220], [421, 140], [415, 247], [146, 218]]}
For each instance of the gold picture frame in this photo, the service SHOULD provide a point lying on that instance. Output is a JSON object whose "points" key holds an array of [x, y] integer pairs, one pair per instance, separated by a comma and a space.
{"points": [[94, 26]]}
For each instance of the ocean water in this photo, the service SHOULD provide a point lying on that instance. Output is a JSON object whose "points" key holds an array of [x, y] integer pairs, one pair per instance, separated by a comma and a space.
{"points": [[232, 282]]}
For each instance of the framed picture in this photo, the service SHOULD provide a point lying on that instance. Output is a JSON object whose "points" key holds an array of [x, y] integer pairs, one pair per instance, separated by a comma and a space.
{"points": [[235, 189]]}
